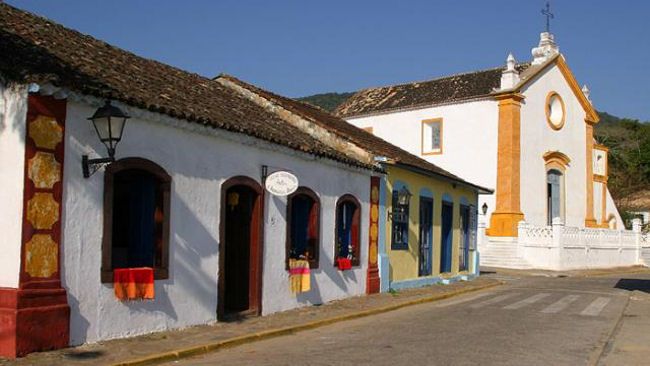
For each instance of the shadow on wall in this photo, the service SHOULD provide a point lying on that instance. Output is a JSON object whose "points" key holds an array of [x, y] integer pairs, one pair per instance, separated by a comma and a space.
{"points": [[77, 321], [632, 284], [326, 264], [190, 246]]}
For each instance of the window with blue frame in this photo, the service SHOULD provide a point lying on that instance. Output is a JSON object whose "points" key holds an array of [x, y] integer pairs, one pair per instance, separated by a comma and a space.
{"points": [[400, 219], [347, 229]]}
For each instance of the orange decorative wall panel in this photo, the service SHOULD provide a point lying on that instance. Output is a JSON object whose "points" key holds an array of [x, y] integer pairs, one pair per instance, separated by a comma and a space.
{"points": [[36, 315], [372, 284]]}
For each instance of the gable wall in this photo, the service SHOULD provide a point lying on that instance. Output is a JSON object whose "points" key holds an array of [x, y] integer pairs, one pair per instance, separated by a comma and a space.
{"points": [[537, 138], [469, 139]]}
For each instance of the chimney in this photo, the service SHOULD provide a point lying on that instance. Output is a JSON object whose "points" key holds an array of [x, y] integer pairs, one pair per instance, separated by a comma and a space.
{"points": [[545, 50], [586, 92], [509, 76]]}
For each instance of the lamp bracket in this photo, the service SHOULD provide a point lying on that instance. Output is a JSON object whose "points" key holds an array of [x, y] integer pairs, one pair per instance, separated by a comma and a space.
{"points": [[90, 166]]}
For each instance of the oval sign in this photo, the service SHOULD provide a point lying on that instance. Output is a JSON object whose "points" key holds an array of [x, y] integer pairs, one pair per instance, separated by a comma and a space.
{"points": [[281, 183]]}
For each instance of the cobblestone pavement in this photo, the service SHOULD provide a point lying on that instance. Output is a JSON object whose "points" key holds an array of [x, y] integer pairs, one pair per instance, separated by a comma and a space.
{"points": [[110, 352], [533, 320]]}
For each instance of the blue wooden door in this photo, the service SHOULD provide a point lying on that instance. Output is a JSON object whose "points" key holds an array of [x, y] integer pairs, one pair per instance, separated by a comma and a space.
{"points": [[446, 237], [464, 239], [426, 236]]}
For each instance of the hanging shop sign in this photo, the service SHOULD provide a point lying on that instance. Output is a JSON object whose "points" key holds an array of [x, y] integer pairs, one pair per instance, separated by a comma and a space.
{"points": [[281, 183]]}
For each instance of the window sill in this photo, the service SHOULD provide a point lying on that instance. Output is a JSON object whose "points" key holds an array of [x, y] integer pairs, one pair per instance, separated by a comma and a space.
{"points": [[399, 247], [158, 274]]}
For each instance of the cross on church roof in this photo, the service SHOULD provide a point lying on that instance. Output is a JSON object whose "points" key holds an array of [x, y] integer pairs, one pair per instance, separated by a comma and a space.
{"points": [[549, 16]]}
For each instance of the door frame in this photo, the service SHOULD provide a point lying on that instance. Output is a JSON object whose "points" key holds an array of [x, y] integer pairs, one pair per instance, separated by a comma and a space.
{"points": [[424, 200], [447, 256], [465, 230], [256, 247]]}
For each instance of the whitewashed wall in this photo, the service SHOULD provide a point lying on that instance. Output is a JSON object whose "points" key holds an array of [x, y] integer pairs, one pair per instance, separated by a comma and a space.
{"points": [[469, 139], [538, 138], [198, 164], [562, 247], [13, 111], [610, 208]]}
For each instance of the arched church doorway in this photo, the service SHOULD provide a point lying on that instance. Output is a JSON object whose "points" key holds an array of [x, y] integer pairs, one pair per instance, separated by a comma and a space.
{"points": [[554, 192]]}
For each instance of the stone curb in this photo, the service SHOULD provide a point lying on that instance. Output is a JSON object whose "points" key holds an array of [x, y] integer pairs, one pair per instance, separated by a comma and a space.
{"points": [[604, 273], [271, 333]]}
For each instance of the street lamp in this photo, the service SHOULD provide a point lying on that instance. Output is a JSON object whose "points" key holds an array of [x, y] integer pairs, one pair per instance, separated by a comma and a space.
{"points": [[399, 212], [484, 208], [403, 196], [109, 122]]}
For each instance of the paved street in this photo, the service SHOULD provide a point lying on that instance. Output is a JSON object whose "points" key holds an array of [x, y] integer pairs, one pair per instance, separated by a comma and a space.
{"points": [[531, 321]]}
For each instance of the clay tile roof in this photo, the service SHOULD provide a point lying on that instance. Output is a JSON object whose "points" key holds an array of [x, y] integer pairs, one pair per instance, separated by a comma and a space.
{"points": [[365, 140], [424, 93], [34, 49]]}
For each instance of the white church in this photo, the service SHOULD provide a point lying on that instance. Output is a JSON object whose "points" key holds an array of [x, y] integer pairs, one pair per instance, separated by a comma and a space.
{"points": [[527, 131]]}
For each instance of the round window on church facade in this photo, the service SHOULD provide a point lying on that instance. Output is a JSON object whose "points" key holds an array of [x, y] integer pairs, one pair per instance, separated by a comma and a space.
{"points": [[555, 110]]}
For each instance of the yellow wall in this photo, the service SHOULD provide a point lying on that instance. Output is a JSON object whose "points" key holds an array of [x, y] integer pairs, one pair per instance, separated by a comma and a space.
{"points": [[404, 263]]}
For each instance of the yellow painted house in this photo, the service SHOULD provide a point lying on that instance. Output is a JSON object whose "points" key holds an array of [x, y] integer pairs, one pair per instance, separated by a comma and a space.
{"points": [[430, 227]]}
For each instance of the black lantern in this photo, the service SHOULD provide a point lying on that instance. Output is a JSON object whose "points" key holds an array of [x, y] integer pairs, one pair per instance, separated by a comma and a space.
{"points": [[403, 196], [484, 208], [108, 122]]}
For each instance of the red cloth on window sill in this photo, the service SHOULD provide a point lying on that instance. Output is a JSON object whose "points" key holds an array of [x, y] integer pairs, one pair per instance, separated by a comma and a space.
{"points": [[343, 263], [133, 283]]}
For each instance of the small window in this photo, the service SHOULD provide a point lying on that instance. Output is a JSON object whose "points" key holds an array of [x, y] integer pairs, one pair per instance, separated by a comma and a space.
{"points": [[303, 226], [347, 229], [136, 217], [432, 136], [400, 219]]}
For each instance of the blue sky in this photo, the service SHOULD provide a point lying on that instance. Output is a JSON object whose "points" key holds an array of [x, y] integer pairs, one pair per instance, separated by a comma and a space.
{"points": [[299, 48]]}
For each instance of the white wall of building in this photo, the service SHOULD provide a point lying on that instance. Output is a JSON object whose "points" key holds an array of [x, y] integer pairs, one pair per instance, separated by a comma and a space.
{"points": [[469, 138], [13, 111], [198, 163], [610, 209], [598, 202], [538, 138]]}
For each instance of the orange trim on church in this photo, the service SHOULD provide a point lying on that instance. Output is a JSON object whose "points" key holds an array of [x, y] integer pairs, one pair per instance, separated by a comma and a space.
{"points": [[506, 217], [590, 220]]}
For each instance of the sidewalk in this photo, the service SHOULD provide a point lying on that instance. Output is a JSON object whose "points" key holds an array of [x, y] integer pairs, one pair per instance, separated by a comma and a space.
{"points": [[499, 272], [630, 343], [196, 340]]}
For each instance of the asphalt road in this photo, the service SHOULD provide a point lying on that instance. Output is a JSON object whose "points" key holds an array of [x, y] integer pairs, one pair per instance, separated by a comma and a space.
{"points": [[531, 321]]}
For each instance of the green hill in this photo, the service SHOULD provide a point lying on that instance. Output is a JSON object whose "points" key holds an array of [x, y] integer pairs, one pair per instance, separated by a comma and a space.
{"points": [[327, 101], [628, 141]]}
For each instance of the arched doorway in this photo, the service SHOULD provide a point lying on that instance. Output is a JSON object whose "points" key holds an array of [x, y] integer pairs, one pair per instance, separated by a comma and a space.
{"points": [[240, 248], [554, 192]]}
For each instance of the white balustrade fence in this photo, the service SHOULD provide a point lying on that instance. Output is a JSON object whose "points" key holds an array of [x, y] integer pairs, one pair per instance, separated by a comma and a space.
{"points": [[560, 247]]}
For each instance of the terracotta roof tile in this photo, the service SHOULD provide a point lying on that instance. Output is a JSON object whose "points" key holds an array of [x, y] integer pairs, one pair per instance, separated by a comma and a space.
{"points": [[422, 93], [34, 49], [367, 141]]}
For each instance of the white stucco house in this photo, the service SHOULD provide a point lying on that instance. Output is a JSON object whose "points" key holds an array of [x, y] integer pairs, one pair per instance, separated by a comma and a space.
{"points": [[182, 196], [525, 129], [138, 197]]}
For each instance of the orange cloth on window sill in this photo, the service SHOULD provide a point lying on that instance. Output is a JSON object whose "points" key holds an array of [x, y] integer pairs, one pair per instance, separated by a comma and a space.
{"points": [[133, 283], [299, 275]]}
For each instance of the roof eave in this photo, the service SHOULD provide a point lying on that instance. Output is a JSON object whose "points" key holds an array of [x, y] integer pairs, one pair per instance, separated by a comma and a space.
{"points": [[429, 173]]}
